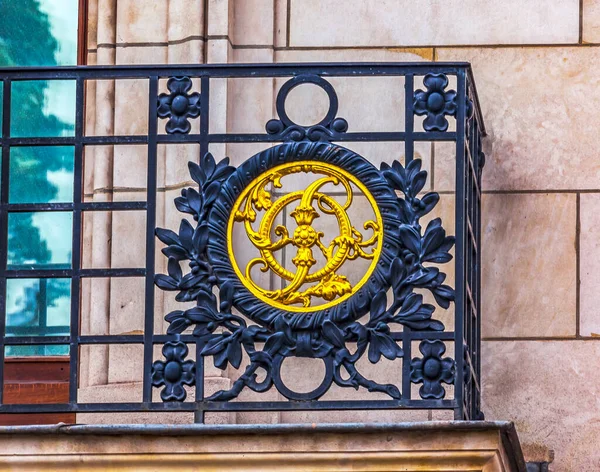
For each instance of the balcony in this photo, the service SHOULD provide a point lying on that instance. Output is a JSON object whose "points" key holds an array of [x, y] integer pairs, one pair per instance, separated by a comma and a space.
{"points": [[415, 308]]}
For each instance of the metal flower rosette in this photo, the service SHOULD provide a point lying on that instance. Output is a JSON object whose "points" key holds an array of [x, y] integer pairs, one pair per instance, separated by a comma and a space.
{"points": [[305, 250]]}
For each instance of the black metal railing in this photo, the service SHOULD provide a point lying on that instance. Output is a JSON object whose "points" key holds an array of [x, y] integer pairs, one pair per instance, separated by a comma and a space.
{"points": [[451, 115]]}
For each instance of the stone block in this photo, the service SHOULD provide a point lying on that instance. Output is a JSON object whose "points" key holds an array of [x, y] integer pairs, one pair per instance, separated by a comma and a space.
{"points": [[127, 305], [589, 260], [220, 16], [252, 22], [141, 54], [128, 240], [550, 390], [186, 20], [591, 21], [190, 51], [542, 136], [457, 22], [142, 21], [130, 169], [125, 363], [280, 39], [528, 265]]}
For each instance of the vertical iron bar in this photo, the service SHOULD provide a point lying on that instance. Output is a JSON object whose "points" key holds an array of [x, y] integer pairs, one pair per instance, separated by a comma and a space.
{"points": [[409, 124], [461, 235], [76, 247], [42, 312], [199, 414], [409, 118], [4, 221], [204, 114], [42, 299], [150, 243]]}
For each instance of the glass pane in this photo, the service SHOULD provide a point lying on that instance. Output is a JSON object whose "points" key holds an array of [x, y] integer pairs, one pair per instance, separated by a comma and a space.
{"points": [[40, 240], [38, 32], [41, 174], [38, 307], [43, 108], [37, 350]]}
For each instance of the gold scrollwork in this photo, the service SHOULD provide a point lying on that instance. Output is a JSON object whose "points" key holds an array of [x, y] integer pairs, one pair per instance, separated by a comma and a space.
{"points": [[310, 203]]}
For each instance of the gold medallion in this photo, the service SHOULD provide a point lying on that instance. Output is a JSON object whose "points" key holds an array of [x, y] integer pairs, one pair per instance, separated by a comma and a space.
{"points": [[315, 278]]}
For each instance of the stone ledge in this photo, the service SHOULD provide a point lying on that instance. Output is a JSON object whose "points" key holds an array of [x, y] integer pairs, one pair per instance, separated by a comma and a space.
{"points": [[423, 446]]}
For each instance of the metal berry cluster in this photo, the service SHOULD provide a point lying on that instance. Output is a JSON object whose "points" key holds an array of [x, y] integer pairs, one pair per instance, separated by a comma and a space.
{"points": [[293, 132], [225, 335]]}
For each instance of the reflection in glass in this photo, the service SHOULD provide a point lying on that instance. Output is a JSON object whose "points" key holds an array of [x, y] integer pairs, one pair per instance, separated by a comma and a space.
{"points": [[38, 32], [37, 350], [40, 240], [38, 307], [41, 174], [43, 108]]}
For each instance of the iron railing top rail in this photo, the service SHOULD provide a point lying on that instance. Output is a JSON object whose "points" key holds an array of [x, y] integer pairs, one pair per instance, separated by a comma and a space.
{"points": [[248, 70]]}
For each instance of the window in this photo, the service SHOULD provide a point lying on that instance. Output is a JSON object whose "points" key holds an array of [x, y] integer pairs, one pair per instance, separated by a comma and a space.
{"points": [[39, 33]]}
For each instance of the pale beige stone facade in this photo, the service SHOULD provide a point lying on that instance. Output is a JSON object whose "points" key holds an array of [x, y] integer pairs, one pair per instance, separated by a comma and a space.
{"points": [[536, 65]]}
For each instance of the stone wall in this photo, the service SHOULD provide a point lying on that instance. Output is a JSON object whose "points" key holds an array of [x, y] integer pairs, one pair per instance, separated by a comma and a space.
{"points": [[536, 65]]}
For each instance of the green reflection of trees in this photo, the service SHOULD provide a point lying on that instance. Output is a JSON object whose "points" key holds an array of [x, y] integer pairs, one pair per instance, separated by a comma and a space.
{"points": [[26, 40]]}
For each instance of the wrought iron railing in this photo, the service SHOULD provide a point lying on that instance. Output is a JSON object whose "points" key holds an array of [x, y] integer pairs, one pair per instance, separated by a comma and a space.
{"points": [[384, 314]]}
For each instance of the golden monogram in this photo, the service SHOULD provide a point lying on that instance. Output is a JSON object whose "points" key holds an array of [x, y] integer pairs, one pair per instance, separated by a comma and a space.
{"points": [[309, 279]]}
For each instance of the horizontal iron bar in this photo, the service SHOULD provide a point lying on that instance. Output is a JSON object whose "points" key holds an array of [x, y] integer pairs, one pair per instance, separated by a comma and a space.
{"points": [[90, 206], [162, 338], [83, 339], [349, 69], [71, 141], [35, 340], [31, 330], [54, 273], [228, 406], [229, 138], [345, 137]]}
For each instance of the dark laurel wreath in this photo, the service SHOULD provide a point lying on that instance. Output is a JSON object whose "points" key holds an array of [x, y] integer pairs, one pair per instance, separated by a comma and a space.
{"points": [[340, 343]]}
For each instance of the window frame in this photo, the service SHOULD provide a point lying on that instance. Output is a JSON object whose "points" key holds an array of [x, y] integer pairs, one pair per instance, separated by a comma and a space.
{"points": [[42, 379]]}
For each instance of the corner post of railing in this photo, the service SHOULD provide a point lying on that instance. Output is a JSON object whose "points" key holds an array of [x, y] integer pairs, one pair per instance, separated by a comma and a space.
{"points": [[477, 157], [461, 235]]}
